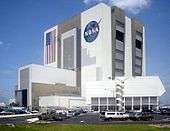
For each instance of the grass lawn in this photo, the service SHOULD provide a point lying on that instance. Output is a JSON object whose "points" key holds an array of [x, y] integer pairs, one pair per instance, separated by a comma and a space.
{"points": [[56, 127]]}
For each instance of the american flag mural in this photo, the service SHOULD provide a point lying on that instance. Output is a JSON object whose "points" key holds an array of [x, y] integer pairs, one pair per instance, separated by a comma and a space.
{"points": [[50, 56]]}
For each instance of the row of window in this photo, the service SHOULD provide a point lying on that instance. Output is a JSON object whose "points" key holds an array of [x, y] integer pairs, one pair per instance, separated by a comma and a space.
{"points": [[96, 100], [136, 100], [119, 55], [114, 108], [144, 107], [128, 100], [138, 58]]}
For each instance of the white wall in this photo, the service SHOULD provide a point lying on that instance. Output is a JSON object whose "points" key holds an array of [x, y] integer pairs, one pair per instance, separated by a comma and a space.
{"points": [[52, 75], [61, 101], [128, 47], [47, 75], [133, 87], [144, 86], [144, 54], [99, 89], [100, 49]]}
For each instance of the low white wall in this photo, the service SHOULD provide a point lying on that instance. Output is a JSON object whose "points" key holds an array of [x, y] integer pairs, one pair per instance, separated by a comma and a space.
{"points": [[61, 101]]}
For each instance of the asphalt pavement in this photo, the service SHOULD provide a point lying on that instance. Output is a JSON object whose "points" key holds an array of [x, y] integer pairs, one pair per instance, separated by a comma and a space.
{"points": [[93, 118], [88, 118], [17, 119]]}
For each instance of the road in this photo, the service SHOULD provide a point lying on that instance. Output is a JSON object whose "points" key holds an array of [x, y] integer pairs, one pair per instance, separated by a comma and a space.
{"points": [[93, 118], [89, 118]]}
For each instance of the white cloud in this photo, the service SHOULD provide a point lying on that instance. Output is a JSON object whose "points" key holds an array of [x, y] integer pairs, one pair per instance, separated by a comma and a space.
{"points": [[4, 45], [134, 6], [1, 43]]}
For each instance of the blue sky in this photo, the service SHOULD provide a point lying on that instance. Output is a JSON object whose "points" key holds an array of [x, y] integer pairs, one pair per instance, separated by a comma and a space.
{"points": [[22, 23]]}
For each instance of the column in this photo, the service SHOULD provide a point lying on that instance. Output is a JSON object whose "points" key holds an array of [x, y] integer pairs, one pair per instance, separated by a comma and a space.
{"points": [[98, 104], [140, 103], [124, 104], [107, 103], [157, 104], [149, 103], [132, 103]]}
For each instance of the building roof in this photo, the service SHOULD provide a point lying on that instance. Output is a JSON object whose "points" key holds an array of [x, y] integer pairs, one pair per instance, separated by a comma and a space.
{"points": [[144, 86]]}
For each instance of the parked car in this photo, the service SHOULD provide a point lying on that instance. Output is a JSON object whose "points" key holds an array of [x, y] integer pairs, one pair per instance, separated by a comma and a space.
{"points": [[113, 115], [1, 109], [53, 115], [165, 111], [137, 116], [70, 113], [157, 112]]}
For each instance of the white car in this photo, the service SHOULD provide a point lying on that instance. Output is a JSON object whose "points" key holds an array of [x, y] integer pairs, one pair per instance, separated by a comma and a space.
{"points": [[114, 115]]}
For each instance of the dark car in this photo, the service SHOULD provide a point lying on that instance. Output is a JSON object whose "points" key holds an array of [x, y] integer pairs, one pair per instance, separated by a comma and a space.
{"points": [[1, 109], [137, 116], [53, 115], [165, 111]]}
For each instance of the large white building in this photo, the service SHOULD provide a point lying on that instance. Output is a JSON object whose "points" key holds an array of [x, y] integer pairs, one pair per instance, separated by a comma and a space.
{"points": [[98, 56]]}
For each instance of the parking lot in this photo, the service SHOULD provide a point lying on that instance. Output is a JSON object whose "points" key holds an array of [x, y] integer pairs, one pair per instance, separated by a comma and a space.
{"points": [[93, 118], [86, 118]]}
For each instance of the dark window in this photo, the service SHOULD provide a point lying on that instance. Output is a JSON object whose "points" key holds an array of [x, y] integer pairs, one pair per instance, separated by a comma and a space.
{"points": [[117, 101], [24, 98], [139, 33], [48, 38], [103, 108], [118, 23], [136, 107], [145, 107], [138, 44], [128, 108], [94, 108], [119, 36], [110, 113], [111, 108]]}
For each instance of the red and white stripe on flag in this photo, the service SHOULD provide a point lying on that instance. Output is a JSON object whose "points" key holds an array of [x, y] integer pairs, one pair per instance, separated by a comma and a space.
{"points": [[50, 47]]}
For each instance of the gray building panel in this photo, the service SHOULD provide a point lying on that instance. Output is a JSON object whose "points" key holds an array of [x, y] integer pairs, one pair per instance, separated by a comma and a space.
{"points": [[74, 22], [24, 78], [68, 53], [137, 34], [78, 62], [118, 23]]}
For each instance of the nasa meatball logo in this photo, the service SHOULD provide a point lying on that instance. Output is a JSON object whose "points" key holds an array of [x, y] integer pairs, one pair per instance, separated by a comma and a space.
{"points": [[91, 31]]}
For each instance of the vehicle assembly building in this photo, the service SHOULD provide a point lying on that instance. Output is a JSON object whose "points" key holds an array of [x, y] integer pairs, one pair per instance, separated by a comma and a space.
{"points": [[95, 59]]}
